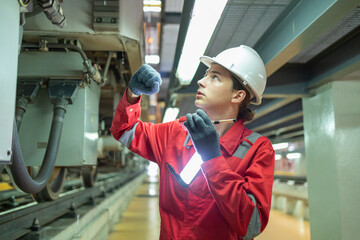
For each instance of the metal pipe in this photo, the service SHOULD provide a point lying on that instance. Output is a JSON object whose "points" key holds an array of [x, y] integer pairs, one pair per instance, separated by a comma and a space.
{"points": [[69, 46], [18, 169], [108, 60], [21, 105]]}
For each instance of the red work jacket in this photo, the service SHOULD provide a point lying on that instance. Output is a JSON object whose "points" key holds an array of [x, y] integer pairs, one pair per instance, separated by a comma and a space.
{"points": [[229, 198]]}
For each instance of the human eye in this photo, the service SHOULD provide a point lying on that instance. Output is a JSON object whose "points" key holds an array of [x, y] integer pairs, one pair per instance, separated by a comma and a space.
{"points": [[215, 77]]}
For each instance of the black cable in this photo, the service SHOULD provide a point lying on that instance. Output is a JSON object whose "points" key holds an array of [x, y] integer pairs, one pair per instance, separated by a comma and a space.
{"points": [[18, 169]]}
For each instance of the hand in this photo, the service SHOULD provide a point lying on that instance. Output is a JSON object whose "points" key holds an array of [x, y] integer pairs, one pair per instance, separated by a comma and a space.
{"points": [[145, 81], [203, 134]]}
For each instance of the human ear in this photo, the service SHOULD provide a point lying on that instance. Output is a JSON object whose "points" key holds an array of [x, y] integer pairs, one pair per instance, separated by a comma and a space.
{"points": [[238, 96]]}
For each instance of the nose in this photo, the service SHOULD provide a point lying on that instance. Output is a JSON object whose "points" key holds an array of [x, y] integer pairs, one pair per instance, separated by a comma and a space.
{"points": [[201, 82]]}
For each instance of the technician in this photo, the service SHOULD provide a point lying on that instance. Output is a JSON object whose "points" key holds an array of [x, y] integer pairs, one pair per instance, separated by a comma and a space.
{"points": [[230, 197]]}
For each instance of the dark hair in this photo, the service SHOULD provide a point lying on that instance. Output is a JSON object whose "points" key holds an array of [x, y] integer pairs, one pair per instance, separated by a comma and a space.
{"points": [[244, 113]]}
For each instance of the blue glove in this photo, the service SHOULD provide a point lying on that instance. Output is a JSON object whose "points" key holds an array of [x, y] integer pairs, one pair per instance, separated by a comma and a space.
{"points": [[145, 81], [203, 134]]}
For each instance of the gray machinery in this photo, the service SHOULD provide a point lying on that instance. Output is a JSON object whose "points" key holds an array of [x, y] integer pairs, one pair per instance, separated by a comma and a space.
{"points": [[66, 65]]}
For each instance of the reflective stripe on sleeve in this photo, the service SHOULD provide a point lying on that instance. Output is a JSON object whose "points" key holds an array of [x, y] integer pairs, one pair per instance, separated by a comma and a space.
{"points": [[245, 146], [242, 150], [253, 137], [187, 139], [254, 225], [128, 136]]}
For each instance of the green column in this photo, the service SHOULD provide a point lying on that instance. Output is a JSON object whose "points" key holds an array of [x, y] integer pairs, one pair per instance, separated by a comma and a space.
{"points": [[332, 146]]}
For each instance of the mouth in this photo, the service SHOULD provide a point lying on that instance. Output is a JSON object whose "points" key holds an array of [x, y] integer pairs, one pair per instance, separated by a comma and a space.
{"points": [[199, 93]]}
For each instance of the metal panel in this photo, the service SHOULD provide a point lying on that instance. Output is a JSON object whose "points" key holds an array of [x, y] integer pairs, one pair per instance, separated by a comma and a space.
{"points": [[79, 18], [78, 145], [50, 65], [9, 25]]}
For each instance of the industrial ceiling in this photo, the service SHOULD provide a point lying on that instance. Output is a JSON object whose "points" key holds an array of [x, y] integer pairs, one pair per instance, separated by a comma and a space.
{"points": [[304, 44]]}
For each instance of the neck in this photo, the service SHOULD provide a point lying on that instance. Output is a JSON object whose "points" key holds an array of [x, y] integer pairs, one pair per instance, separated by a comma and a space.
{"points": [[222, 128]]}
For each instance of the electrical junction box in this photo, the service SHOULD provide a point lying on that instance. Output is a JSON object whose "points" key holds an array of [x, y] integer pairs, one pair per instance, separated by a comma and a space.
{"points": [[79, 138]]}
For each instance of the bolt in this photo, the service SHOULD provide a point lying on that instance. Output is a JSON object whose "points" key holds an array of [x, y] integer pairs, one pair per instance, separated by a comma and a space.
{"points": [[99, 20], [113, 20], [8, 152], [36, 225]]}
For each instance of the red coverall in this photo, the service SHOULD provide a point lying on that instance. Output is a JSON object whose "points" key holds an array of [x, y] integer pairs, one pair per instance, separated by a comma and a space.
{"points": [[229, 198]]}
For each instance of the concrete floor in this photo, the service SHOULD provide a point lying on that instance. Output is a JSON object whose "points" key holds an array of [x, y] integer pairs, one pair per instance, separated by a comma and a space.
{"points": [[141, 220]]}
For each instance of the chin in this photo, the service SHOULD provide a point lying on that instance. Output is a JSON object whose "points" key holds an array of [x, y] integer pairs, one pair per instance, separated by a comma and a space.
{"points": [[198, 104]]}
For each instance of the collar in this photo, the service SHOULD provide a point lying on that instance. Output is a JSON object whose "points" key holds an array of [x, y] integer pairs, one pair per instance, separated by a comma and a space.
{"points": [[230, 141]]}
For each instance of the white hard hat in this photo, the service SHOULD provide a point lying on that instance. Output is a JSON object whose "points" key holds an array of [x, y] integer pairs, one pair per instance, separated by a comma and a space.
{"points": [[244, 63]]}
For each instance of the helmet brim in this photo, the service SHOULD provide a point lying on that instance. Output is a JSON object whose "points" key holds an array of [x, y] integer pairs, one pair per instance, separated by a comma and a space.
{"points": [[208, 61]]}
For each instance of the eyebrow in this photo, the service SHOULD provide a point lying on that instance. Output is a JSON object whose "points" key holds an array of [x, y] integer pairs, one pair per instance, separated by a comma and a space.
{"points": [[216, 72]]}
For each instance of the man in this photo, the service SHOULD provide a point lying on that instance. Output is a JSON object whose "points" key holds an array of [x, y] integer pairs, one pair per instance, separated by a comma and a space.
{"points": [[230, 197]]}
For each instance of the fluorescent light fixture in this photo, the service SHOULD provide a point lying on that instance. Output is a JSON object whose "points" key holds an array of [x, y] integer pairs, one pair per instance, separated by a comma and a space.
{"points": [[152, 192], [151, 9], [170, 114], [278, 156], [205, 16], [291, 182], [152, 59], [279, 146], [293, 155], [152, 2], [191, 168]]}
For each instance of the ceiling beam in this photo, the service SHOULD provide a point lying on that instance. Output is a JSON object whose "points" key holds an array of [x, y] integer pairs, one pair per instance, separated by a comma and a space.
{"points": [[277, 132], [336, 62], [295, 90], [274, 116], [278, 121], [273, 105], [184, 25], [284, 125], [294, 136], [172, 17], [297, 29]]}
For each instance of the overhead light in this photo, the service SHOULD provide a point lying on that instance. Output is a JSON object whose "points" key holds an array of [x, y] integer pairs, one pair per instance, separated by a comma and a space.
{"points": [[205, 17], [170, 114], [152, 6], [152, 3], [152, 9], [152, 59], [293, 155], [279, 146]]}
